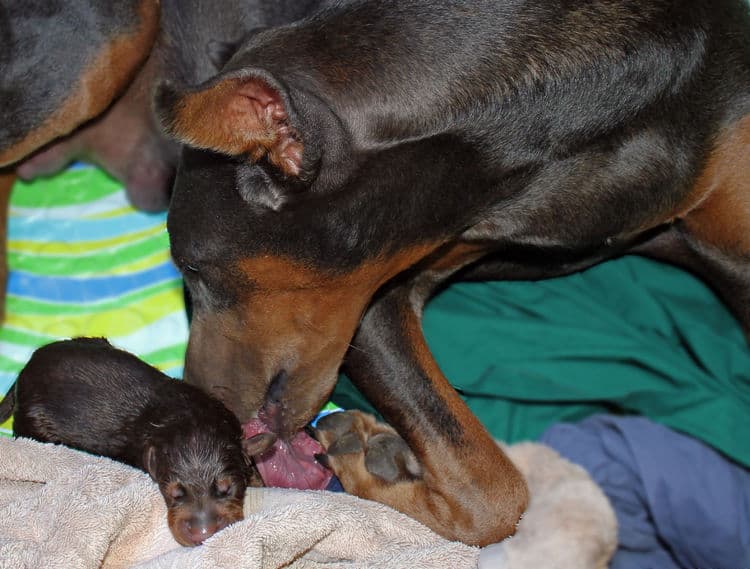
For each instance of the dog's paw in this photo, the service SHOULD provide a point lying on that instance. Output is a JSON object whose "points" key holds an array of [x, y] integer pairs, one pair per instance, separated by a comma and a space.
{"points": [[364, 453]]}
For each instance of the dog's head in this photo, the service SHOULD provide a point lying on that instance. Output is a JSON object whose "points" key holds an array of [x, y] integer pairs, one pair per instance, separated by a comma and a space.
{"points": [[290, 209], [202, 472]]}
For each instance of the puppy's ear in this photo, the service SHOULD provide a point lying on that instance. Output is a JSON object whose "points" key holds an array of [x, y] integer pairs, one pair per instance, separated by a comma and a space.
{"points": [[150, 462], [258, 444], [235, 115]]}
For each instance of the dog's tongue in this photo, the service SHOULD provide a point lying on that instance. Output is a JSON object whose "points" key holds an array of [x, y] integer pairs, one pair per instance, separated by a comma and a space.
{"points": [[289, 464]]}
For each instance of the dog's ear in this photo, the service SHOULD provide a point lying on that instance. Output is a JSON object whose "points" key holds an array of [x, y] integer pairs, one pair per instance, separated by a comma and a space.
{"points": [[150, 463], [258, 444], [235, 115]]}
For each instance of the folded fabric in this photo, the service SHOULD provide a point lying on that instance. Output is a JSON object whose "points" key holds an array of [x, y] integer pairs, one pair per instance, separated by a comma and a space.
{"points": [[61, 508], [679, 503], [631, 334]]}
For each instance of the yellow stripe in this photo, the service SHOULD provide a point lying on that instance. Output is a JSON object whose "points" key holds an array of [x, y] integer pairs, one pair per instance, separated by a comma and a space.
{"points": [[169, 364], [153, 260], [110, 213], [119, 322], [57, 248]]}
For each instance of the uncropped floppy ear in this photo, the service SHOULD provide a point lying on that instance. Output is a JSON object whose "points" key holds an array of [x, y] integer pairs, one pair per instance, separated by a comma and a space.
{"points": [[258, 444], [150, 463], [234, 115]]}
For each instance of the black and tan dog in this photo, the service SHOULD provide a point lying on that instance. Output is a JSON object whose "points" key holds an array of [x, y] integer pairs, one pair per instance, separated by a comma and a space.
{"points": [[341, 168], [62, 64], [92, 64], [86, 394]]}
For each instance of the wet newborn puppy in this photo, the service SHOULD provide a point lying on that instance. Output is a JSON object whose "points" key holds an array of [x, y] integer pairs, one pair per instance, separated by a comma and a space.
{"points": [[86, 394]]}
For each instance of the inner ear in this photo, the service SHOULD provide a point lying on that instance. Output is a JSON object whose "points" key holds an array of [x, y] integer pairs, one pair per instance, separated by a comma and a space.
{"points": [[235, 116]]}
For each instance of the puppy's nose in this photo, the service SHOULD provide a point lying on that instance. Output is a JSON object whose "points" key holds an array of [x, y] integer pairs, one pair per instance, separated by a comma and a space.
{"points": [[197, 532]]}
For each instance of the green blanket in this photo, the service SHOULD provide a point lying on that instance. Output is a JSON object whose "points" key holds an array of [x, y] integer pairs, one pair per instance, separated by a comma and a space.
{"points": [[627, 336]]}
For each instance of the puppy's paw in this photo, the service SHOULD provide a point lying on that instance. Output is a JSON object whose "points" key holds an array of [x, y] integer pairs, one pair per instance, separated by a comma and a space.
{"points": [[365, 454]]}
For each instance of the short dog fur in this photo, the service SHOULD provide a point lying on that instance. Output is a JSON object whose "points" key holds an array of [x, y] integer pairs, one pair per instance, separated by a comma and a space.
{"points": [[92, 99], [86, 394]]}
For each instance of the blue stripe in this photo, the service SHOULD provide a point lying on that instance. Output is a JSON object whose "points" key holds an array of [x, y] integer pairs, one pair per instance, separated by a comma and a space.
{"points": [[175, 372], [319, 416], [6, 381], [70, 230], [86, 289]]}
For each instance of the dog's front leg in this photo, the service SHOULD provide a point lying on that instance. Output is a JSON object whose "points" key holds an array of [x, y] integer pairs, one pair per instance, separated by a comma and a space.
{"points": [[449, 474]]}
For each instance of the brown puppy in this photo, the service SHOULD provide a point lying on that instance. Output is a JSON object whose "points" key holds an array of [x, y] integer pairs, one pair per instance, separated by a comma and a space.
{"points": [[86, 394]]}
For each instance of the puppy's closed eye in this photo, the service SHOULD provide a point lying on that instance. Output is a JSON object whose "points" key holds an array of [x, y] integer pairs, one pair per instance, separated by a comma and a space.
{"points": [[223, 487], [175, 491]]}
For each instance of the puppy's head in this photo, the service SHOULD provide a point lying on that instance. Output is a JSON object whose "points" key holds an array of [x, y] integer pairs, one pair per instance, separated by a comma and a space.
{"points": [[202, 476]]}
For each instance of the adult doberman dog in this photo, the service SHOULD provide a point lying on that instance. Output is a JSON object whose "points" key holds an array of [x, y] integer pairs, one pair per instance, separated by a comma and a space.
{"points": [[62, 63], [339, 169]]}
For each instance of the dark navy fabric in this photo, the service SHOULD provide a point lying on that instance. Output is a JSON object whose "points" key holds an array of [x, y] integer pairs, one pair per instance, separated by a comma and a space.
{"points": [[679, 503], [334, 485]]}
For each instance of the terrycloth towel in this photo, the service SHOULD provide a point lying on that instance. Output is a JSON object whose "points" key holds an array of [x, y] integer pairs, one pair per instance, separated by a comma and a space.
{"points": [[60, 508]]}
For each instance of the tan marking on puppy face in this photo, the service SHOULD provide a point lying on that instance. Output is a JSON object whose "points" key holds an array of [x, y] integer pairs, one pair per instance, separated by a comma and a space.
{"points": [[722, 217], [107, 76]]}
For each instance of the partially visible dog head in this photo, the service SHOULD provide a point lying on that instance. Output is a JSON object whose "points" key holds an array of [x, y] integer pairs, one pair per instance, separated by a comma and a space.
{"points": [[202, 471], [281, 244]]}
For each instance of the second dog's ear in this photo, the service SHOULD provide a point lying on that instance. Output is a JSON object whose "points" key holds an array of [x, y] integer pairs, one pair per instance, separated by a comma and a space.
{"points": [[150, 463], [235, 115]]}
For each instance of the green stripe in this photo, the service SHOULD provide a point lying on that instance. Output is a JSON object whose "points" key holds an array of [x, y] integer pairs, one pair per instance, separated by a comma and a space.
{"points": [[24, 307], [81, 186], [61, 266], [171, 356], [175, 352], [7, 364], [22, 337]]}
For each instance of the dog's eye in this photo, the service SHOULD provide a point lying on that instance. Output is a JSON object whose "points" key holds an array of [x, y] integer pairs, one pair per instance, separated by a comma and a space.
{"points": [[223, 487], [176, 491]]}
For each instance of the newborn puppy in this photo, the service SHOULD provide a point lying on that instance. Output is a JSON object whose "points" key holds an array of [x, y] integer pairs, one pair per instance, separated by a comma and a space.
{"points": [[86, 394]]}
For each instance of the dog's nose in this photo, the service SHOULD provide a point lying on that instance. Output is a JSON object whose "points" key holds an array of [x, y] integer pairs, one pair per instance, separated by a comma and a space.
{"points": [[198, 532], [277, 386]]}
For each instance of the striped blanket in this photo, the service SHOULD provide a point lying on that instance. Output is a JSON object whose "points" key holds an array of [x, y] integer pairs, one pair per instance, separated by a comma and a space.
{"points": [[84, 263]]}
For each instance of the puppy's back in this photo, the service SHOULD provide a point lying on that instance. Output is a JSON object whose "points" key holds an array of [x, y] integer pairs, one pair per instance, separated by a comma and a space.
{"points": [[86, 394]]}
